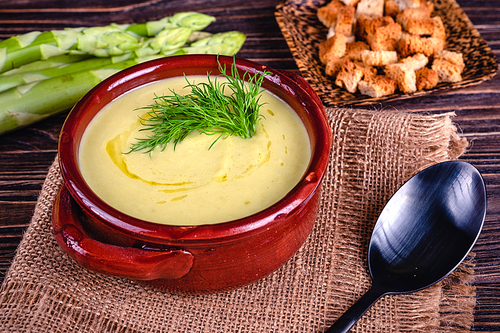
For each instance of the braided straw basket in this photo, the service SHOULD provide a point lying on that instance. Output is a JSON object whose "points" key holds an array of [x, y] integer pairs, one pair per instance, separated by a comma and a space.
{"points": [[303, 33]]}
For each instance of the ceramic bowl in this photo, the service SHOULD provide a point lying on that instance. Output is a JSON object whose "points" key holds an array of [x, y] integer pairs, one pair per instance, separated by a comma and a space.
{"points": [[187, 259]]}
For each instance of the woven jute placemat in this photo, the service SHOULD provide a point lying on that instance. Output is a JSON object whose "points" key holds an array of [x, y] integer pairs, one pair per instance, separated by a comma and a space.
{"points": [[374, 152]]}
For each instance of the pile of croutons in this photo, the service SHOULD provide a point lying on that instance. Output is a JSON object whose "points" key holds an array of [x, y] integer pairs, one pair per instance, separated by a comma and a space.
{"points": [[380, 46]]}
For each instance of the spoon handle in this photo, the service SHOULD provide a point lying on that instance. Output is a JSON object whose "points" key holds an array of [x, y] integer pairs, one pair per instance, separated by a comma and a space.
{"points": [[352, 315]]}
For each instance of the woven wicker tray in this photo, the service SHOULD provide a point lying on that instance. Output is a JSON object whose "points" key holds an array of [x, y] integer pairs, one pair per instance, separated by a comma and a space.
{"points": [[303, 33]]}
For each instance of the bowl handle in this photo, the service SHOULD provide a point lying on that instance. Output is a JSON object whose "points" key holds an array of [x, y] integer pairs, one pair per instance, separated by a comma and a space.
{"points": [[128, 262]]}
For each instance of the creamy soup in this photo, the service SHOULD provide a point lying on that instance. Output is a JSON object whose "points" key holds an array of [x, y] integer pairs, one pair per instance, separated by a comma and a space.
{"points": [[192, 184]]}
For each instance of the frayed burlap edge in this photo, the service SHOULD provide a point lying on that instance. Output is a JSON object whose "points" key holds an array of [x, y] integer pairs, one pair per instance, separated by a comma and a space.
{"points": [[373, 154]]}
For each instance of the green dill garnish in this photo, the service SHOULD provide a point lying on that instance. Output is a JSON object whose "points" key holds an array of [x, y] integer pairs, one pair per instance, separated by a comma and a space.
{"points": [[214, 108]]}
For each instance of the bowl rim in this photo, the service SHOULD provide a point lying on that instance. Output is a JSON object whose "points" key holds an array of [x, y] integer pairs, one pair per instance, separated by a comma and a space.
{"points": [[109, 89]]}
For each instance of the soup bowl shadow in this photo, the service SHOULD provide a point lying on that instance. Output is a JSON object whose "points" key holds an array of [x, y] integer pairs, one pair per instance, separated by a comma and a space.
{"points": [[187, 259]]}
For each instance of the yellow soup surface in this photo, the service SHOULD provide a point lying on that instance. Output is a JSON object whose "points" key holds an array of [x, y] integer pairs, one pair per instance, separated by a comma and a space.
{"points": [[192, 184]]}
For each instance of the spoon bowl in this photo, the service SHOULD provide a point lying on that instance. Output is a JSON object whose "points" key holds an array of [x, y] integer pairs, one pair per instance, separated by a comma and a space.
{"points": [[423, 233]]}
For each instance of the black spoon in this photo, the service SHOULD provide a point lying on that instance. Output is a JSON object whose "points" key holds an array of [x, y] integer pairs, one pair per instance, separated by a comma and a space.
{"points": [[423, 233]]}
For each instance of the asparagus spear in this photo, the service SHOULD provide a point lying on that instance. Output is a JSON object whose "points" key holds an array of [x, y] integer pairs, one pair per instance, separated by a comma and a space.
{"points": [[57, 61], [224, 43], [193, 20], [45, 45], [26, 104], [30, 103], [103, 41], [21, 78], [167, 42]]}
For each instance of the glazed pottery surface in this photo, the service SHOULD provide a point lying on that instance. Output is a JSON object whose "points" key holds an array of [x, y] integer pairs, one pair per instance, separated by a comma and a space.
{"points": [[187, 259]]}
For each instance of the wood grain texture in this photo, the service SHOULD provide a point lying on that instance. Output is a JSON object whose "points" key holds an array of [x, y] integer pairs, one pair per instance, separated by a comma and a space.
{"points": [[26, 155]]}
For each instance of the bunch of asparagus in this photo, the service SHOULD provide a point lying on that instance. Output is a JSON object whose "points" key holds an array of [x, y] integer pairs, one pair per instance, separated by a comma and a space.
{"points": [[45, 73]]}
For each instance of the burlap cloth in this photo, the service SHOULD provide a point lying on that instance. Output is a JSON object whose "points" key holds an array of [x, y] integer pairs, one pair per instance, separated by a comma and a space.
{"points": [[373, 153]]}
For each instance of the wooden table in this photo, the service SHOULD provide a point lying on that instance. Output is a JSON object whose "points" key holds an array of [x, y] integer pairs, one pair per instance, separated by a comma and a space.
{"points": [[26, 154]]}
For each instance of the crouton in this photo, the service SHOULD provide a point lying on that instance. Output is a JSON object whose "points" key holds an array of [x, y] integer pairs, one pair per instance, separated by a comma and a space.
{"points": [[350, 74], [412, 44], [403, 4], [426, 78], [354, 50], [447, 71], [420, 27], [362, 23], [331, 33], [439, 29], [379, 58], [427, 6], [391, 8], [416, 61], [381, 33], [455, 58], [377, 86], [408, 15], [328, 14], [333, 65], [345, 21], [431, 26], [334, 46], [384, 45], [380, 28], [437, 44], [404, 76], [370, 8], [350, 2], [369, 71]]}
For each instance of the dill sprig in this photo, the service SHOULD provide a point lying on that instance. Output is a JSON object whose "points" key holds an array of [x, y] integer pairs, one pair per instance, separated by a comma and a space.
{"points": [[213, 108]]}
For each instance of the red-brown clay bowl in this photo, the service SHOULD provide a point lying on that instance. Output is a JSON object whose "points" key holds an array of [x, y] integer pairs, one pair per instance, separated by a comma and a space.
{"points": [[187, 259]]}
